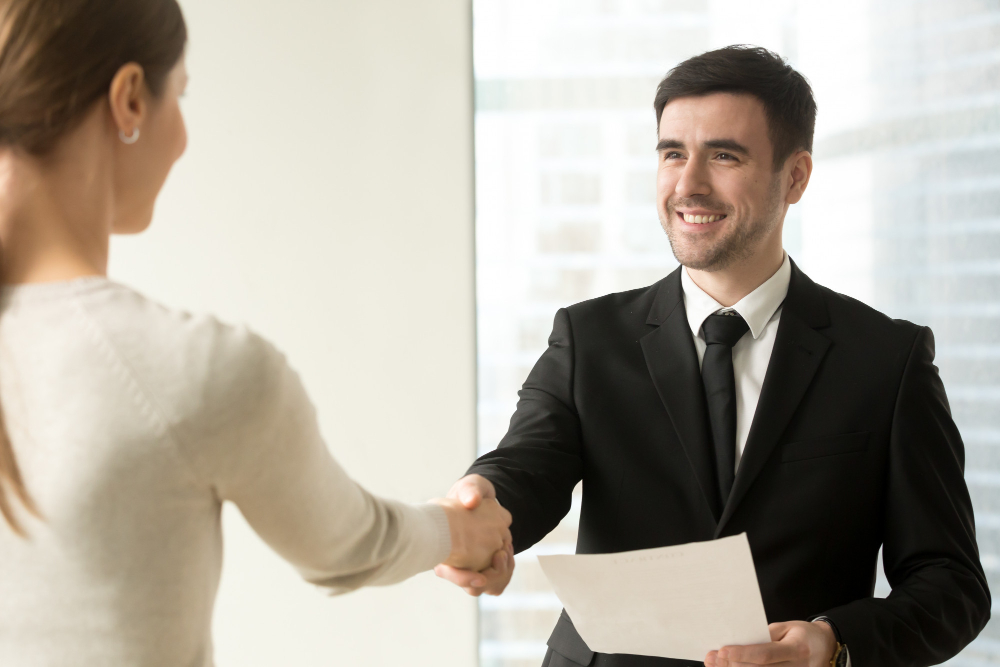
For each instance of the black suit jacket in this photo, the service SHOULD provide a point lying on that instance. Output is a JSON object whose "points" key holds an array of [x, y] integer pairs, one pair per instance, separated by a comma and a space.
{"points": [[852, 447]]}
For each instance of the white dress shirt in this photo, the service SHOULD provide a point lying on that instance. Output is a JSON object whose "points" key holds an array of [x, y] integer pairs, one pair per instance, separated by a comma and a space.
{"points": [[761, 309]]}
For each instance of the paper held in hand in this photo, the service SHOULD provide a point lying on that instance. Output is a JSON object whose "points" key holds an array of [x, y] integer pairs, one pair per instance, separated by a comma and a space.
{"points": [[672, 602]]}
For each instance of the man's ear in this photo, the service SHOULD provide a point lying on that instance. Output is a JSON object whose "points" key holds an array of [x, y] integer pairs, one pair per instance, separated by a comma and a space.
{"points": [[127, 98], [798, 176]]}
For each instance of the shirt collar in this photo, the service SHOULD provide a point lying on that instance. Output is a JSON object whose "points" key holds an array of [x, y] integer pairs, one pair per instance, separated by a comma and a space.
{"points": [[756, 308]]}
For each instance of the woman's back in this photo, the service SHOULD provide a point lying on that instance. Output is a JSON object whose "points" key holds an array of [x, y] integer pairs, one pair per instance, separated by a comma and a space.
{"points": [[126, 425], [131, 424]]}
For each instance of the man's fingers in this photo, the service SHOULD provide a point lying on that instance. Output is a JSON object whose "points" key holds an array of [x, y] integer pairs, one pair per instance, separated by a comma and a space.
{"points": [[503, 570], [470, 496], [498, 574], [462, 578], [713, 660], [778, 630], [499, 559], [471, 490], [492, 580], [758, 654]]}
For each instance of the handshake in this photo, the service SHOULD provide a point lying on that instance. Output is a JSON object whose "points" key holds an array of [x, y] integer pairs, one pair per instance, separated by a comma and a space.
{"points": [[482, 551]]}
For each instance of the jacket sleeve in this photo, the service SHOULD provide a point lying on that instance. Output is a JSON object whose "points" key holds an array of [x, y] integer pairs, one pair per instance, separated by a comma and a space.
{"points": [[539, 461], [940, 599]]}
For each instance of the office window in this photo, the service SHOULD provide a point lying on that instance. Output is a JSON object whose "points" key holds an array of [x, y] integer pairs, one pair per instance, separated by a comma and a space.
{"points": [[903, 211]]}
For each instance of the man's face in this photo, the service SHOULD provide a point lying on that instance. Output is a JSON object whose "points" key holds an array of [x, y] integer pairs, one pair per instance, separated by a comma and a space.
{"points": [[717, 195]]}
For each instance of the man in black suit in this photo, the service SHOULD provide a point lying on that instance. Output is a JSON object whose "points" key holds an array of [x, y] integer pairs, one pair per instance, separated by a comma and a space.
{"points": [[736, 395]]}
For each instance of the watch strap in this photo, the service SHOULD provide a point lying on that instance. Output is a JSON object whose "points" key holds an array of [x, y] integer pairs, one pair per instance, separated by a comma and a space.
{"points": [[841, 656], [835, 660]]}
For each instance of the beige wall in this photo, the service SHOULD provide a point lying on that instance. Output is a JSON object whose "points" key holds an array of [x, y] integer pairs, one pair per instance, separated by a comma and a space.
{"points": [[326, 200]]}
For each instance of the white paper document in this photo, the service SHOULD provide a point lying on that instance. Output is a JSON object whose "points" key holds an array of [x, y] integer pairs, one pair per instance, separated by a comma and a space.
{"points": [[672, 602]]}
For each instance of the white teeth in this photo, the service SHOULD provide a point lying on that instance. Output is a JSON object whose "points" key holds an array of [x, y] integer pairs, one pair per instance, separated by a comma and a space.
{"points": [[702, 219]]}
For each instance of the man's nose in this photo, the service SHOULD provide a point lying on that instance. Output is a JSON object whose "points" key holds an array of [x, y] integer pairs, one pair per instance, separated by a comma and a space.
{"points": [[693, 180]]}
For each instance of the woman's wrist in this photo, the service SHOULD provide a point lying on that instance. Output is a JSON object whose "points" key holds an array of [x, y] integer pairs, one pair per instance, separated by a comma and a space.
{"points": [[453, 511]]}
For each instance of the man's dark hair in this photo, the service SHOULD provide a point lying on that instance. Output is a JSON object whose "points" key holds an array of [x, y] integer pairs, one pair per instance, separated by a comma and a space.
{"points": [[786, 95]]}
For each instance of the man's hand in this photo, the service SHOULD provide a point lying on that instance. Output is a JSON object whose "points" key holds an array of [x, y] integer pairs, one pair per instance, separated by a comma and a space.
{"points": [[491, 581], [793, 644], [476, 534], [472, 490]]}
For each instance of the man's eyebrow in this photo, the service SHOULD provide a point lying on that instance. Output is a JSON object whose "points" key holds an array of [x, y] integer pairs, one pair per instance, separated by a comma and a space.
{"points": [[669, 143], [724, 144], [727, 145]]}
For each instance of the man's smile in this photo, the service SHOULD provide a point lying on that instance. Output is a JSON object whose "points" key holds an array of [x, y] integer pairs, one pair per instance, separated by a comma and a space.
{"points": [[699, 217]]}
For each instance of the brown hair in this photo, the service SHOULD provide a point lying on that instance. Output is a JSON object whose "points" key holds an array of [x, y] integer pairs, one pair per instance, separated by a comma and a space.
{"points": [[786, 95], [57, 59]]}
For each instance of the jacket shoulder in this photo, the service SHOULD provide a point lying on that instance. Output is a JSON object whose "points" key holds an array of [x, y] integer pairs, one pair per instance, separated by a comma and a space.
{"points": [[853, 315], [628, 305]]}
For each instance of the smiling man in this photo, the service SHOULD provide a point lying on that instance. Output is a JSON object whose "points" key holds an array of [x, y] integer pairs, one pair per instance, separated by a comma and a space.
{"points": [[736, 395]]}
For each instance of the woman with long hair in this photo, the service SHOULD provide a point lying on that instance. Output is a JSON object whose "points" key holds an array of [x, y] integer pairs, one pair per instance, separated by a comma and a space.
{"points": [[127, 425]]}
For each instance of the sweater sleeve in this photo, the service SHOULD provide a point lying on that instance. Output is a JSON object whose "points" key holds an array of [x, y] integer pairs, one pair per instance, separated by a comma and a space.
{"points": [[257, 442]]}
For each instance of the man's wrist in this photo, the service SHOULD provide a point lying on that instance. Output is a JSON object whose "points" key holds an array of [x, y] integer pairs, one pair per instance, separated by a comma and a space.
{"points": [[840, 655], [830, 638], [830, 624]]}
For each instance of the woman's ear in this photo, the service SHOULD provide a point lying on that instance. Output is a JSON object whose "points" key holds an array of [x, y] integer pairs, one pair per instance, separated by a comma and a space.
{"points": [[127, 98]]}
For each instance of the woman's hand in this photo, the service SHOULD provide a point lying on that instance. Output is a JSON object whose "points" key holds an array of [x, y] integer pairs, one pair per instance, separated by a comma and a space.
{"points": [[477, 533]]}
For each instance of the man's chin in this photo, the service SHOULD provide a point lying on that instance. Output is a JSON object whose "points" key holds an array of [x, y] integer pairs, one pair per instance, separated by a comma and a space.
{"points": [[702, 265], [700, 259]]}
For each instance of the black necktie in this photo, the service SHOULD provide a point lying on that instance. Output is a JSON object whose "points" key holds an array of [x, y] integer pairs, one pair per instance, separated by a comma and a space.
{"points": [[720, 333]]}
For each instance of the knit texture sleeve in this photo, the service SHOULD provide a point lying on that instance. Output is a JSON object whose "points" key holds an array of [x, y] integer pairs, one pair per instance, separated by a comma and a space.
{"points": [[251, 432]]}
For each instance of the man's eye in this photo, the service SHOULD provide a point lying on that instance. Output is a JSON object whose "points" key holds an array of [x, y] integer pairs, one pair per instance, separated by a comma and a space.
{"points": [[726, 156], [672, 155]]}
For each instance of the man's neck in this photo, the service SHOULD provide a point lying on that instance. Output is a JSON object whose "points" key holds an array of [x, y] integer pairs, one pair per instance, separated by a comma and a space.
{"points": [[729, 285]]}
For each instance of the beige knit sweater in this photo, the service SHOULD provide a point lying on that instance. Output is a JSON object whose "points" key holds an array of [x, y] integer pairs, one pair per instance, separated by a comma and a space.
{"points": [[132, 424]]}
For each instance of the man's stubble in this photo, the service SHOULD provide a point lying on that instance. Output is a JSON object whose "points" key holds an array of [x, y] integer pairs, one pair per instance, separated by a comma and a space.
{"points": [[738, 245]]}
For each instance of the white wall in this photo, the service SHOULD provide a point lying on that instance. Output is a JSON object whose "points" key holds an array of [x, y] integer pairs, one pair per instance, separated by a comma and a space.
{"points": [[326, 200]]}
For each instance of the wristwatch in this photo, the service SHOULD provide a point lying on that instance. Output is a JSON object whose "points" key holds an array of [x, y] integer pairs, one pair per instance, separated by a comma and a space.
{"points": [[841, 656]]}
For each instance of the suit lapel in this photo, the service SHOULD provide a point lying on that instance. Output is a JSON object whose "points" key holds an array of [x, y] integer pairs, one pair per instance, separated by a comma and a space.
{"points": [[798, 351], [673, 364]]}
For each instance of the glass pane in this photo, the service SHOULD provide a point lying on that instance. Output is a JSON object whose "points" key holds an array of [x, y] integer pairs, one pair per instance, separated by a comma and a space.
{"points": [[565, 169]]}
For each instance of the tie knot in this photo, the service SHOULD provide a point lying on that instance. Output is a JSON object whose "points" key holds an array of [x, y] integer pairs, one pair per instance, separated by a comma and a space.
{"points": [[724, 329]]}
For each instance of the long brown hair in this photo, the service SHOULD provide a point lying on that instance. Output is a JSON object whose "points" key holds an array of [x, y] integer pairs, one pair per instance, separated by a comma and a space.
{"points": [[57, 59]]}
